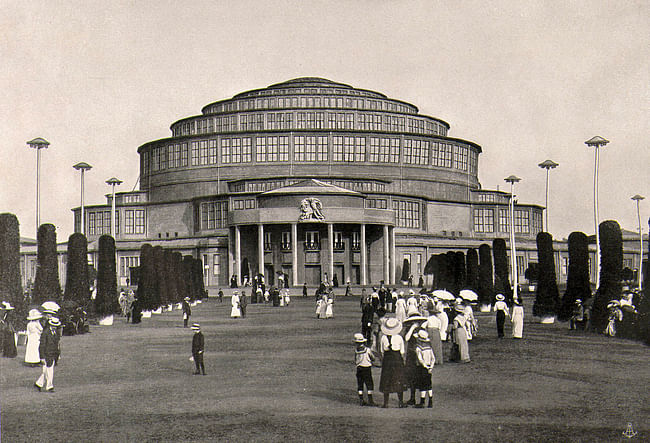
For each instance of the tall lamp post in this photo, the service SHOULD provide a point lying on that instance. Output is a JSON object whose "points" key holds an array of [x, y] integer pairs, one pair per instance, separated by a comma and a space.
{"points": [[513, 250], [38, 144], [113, 182], [83, 167], [596, 142], [548, 165], [638, 198]]}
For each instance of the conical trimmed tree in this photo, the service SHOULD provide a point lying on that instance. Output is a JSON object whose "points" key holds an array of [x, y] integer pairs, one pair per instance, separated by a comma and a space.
{"points": [[10, 282], [611, 266], [501, 274], [106, 303], [471, 275], [159, 282], [199, 287], [188, 280], [643, 319], [177, 272], [577, 285], [547, 299], [485, 276], [77, 285], [46, 284], [147, 277]]}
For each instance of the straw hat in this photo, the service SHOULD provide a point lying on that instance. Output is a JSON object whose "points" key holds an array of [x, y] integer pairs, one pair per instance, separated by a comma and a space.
{"points": [[359, 338], [500, 297], [54, 321], [613, 303], [391, 327], [578, 300], [196, 326], [34, 314], [186, 299], [423, 335], [7, 306], [411, 292]]}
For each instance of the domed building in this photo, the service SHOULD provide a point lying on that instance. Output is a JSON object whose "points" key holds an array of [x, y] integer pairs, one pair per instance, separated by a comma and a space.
{"points": [[311, 179]]}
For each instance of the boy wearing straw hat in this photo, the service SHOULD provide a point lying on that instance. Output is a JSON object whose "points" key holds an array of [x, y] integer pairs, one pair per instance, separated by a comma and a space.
{"points": [[49, 352], [424, 368], [198, 345], [363, 359]]}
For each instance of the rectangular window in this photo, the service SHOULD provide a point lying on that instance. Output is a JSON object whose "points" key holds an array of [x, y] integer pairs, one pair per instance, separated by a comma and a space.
{"points": [[212, 152], [356, 241], [408, 213], [134, 221], [213, 215], [394, 150], [203, 152], [504, 220], [337, 149], [374, 150], [441, 154], [285, 244], [299, 148], [283, 149], [338, 241], [268, 241], [260, 149], [216, 267], [195, 153], [312, 240], [246, 150], [225, 151], [460, 158], [522, 221], [483, 220], [183, 154], [320, 120], [537, 222]]}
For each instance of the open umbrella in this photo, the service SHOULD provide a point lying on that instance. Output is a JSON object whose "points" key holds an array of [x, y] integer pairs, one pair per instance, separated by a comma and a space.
{"points": [[50, 306], [469, 295], [443, 295]]}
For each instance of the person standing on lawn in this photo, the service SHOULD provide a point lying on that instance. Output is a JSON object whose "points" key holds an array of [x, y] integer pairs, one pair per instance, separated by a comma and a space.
{"points": [[425, 362], [243, 303], [459, 333], [363, 360], [198, 346], [392, 368], [34, 331], [235, 311], [186, 311], [518, 320], [501, 308], [8, 331], [49, 351]]}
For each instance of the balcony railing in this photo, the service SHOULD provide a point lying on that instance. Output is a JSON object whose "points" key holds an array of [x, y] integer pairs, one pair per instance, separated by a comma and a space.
{"points": [[339, 246], [312, 246], [285, 246]]}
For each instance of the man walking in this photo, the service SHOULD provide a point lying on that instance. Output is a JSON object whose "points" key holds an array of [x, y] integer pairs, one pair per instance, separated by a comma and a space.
{"points": [[186, 311], [197, 349], [49, 352], [243, 303]]}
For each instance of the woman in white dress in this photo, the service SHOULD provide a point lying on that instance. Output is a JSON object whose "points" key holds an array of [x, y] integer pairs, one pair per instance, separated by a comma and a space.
{"points": [[34, 330], [444, 321], [400, 308], [518, 320], [470, 325], [329, 311], [235, 312]]}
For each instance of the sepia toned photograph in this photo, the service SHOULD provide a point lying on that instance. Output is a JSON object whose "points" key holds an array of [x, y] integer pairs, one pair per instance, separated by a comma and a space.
{"points": [[324, 221]]}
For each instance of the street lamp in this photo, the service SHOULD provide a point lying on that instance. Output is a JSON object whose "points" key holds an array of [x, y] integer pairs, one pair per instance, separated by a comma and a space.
{"points": [[513, 251], [113, 182], [596, 142], [83, 167], [638, 198], [548, 165], [38, 144]]}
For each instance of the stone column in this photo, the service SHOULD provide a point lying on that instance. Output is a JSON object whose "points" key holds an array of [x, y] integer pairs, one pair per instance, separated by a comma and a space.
{"points": [[364, 264], [392, 255], [294, 252], [260, 249], [231, 255], [238, 254], [387, 261], [330, 250]]}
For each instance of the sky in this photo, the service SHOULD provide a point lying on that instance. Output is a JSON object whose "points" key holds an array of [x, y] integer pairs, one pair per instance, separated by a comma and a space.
{"points": [[528, 81]]}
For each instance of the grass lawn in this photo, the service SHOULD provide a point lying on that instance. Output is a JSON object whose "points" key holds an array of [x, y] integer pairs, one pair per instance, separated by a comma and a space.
{"points": [[282, 375]]}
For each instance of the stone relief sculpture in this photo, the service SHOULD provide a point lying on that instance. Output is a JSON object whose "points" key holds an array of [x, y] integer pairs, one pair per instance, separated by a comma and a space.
{"points": [[311, 209]]}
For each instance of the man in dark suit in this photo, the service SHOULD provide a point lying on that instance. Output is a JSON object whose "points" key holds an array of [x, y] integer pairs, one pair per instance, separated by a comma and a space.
{"points": [[49, 353], [186, 311], [197, 349], [243, 303]]}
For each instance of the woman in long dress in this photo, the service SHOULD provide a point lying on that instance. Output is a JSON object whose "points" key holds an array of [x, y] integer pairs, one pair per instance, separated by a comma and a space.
{"points": [[400, 308], [8, 332], [329, 309], [471, 325], [432, 325], [323, 306], [518, 320], [34, 330], [411, 329], [444, 320], [392, 368], [501, 308], [235, 312], [460, 334], [615, 314]]}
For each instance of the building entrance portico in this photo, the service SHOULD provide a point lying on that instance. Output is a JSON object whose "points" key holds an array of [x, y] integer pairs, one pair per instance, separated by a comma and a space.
{"points": [[311, 232]]}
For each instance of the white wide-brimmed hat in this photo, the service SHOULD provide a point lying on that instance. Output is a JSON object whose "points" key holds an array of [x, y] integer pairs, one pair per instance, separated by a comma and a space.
{"points": [[7, 306], [54, 321], [500, 297], [359, 338], [391, 327], [186, 299], [196, 326], [423, 335], [34, 314]]}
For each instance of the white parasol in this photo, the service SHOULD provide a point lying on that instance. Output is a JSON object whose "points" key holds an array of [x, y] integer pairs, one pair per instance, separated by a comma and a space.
{"points": [[50, 306], [469, 295], [443, 295]]}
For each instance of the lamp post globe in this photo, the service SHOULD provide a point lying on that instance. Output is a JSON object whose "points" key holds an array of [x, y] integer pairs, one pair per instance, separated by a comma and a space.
{"points": [[113, 182], [637, 198], [83, 167], [513, 249], [548, 165], [596, 143], [38, 144]]}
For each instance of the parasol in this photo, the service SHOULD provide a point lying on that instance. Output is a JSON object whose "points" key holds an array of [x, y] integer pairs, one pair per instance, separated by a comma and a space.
{"points": [[469, 295]]}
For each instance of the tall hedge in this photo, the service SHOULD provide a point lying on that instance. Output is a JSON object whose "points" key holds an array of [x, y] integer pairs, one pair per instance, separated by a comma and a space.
{"points": [[47, 285], [485, 275], [106, 302], [611, 266], [186, 276], [199, 286], [471, 273], [577, 284], [501, 279], [459, 271], [159, 271], [548, 297], [172, 291], [147, 277], [176, 274], [11, 289], [77, 285]]}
